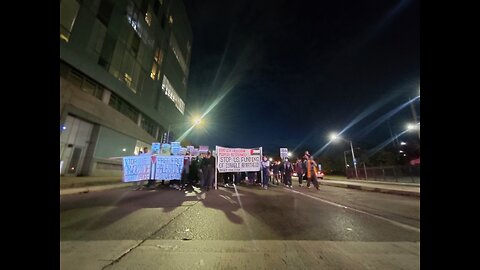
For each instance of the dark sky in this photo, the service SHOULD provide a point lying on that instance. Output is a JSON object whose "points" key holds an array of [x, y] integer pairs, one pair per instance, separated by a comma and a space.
{"points": [[291, 72]]}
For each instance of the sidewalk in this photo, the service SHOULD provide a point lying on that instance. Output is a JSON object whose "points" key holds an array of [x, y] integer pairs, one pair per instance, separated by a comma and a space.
{"points": [[84, 184], [409, 189], [75, 185]]}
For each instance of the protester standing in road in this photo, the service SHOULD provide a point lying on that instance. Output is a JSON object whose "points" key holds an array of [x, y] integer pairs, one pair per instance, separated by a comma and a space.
{"points": [[312, 172], [208, 168], [265, 172], [276, 172], [193, 175], [287, 173], [299, 170]]}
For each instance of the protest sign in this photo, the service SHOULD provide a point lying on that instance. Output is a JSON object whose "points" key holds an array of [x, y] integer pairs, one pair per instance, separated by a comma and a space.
{"points": [[136, 168], [238, 159]]}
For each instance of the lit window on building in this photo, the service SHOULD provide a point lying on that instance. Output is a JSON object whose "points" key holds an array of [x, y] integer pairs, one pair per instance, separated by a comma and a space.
{"points": [[153, 74], [178, 54], [128, 80], [63, 37], [148, 18], [158, 55], [133, 15], [172, 94]]}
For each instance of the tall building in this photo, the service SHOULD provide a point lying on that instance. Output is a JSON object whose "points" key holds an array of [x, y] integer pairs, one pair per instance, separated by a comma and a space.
{"points": [[123, 79]]}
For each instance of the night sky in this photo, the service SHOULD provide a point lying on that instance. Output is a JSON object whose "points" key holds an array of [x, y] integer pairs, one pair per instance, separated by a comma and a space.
{"points": [[291, 72]]}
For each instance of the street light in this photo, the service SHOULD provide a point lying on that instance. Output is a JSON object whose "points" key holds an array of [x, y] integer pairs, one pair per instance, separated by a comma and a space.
{"points": [[196, 121], [415, 126], [414, 113], [333, 137]]}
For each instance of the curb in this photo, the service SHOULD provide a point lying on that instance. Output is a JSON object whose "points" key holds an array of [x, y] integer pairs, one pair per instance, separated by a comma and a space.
{"points": [[80, 184], [377, 182], [373, 189], [87, 189]]}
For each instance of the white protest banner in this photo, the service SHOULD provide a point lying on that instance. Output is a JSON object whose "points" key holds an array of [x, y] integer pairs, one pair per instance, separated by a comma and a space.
{"points": [[136, 168], [194, 152], [169, 168], [238, 159], [283, 153], [190, 148]]}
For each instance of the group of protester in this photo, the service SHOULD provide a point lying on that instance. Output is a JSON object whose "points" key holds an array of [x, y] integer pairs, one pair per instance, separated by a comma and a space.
{"points": [[281, 172], [200, 171]]}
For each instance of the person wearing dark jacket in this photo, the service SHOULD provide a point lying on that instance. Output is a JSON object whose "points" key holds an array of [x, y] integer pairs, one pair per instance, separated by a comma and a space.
{"points": [[208, 169], [299, 170], [265, 164], [287, 173]]}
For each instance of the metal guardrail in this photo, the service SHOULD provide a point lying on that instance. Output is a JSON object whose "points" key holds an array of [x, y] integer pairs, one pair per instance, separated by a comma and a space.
{"points": [[400, 174]]}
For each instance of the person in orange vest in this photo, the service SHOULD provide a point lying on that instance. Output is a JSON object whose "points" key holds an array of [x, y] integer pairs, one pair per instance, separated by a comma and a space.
{"points": [[312, 169]]}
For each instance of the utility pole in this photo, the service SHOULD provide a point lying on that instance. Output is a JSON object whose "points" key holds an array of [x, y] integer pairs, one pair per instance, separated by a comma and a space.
{"points": [[354, 161], [394, 138]]}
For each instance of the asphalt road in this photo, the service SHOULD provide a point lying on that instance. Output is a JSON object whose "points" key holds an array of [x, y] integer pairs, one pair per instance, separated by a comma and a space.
{"points": [[242, 228]]}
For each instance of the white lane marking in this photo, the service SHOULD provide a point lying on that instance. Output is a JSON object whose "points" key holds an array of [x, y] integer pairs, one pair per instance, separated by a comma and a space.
{"points": [[250, 231], [405, 226], [230, 200]]}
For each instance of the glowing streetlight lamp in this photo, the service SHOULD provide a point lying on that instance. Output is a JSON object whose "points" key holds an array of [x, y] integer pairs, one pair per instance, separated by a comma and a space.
{"points": [[333, 137], [410, 126], [414, 113], [196, 121]]}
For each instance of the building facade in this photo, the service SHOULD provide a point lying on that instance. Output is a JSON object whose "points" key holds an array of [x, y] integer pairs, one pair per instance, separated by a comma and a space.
{"points": [[124, 69]]}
